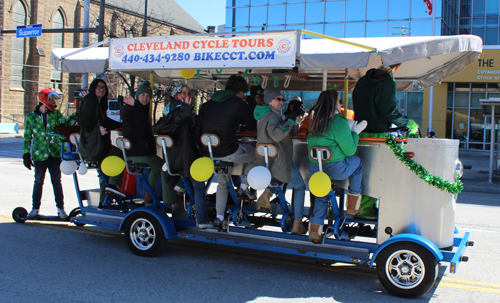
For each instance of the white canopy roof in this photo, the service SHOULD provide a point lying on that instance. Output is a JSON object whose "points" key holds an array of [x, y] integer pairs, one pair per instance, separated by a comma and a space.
{"points": [[91, 60], [426, 59]]}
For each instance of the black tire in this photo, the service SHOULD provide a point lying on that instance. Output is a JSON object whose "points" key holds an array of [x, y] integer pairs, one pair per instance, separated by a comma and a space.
{"points": [[238, 216], [76, 213], [144, 234], [19, 214], [415, 265], [286, 223]]}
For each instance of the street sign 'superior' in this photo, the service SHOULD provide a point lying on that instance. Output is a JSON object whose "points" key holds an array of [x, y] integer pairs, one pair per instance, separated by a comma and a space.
{"points": [[31, 30]]}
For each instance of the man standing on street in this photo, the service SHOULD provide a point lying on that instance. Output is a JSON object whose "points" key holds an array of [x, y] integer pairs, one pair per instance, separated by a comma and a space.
{"points": [[45, 150]]}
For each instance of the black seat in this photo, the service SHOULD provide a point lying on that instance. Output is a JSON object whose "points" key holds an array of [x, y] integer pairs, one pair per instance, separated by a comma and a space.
{"points": [[136, 167], [221, 167]]}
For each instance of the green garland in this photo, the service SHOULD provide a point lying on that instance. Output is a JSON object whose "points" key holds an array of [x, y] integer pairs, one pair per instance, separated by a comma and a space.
{"points": [[421, 172]]}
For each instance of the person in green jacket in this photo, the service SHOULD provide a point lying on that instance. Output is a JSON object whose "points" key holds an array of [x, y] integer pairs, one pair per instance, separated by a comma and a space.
{"points": [[374, 99], [328, 128], [45, 150]]}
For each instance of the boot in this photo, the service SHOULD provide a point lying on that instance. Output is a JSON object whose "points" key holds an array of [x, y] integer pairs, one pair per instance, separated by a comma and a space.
{"points": [[353, 204], [147, 199], [298, 227], [315, 233], [263, 201]]}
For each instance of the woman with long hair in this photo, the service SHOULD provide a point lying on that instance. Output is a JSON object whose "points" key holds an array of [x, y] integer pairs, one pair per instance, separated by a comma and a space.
{"points": [[92, 112], [328, 128]]}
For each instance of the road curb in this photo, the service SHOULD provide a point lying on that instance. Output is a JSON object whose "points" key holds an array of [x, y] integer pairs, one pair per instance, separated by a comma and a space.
{"points": [[482, 189]]}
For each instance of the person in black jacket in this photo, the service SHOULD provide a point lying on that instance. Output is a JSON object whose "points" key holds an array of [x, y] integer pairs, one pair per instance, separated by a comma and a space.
{"points": [[374, 99], [221, 116], [179, 123], [137, 128], [97, 101]]}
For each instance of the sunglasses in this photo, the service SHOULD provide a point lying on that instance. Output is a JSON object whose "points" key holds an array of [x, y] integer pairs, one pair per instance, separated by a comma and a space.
{"points": [[280, 99]]}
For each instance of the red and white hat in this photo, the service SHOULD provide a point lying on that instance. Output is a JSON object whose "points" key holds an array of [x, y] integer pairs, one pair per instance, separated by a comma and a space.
{"points": [[45, 94]]}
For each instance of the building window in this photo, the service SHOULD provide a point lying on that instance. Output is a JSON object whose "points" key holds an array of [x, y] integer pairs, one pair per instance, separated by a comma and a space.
{"points": [[465, 119], [18, 18], [57, 42]]}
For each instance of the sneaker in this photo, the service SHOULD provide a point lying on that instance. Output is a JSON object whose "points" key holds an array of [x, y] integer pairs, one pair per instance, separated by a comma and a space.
{"points": [[245, 194], [61, 213], [115, 190], [219, 225], [180, 189], [205, 225], [33, 213], [253, 191]]}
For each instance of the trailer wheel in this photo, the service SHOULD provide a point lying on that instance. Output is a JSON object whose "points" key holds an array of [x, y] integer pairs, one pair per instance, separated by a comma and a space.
{"points": [[406, 269], [144, 234], [19, 214], [191, 211], [239, 216], [76, 212]]}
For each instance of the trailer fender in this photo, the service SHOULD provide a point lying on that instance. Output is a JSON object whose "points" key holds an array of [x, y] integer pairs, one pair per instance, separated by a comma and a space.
{"points": [[409, 238], [165, 221]]}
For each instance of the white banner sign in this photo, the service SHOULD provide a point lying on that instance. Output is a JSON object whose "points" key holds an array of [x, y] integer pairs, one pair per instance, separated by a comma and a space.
{"points": [[195, 52]]}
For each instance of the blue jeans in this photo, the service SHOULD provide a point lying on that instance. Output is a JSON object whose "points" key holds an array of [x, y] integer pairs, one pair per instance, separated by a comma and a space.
{"points": [[351, 168], [200, 201], [299, 193], [52, 164]]}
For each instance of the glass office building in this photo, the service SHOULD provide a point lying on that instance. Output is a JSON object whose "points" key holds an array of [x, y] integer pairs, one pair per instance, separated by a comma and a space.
{"points": [[368, 18], [386, 18]]}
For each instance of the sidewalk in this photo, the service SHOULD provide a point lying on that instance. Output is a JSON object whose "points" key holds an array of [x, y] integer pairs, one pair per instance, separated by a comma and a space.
{"points": [[476, 178]]}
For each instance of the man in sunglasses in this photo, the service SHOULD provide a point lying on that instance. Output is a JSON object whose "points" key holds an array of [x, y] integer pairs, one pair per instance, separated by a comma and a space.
{"points": [[273, 129]]}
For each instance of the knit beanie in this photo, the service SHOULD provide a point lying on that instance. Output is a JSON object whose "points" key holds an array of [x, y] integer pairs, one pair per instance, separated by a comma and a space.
{"points": [[144, 88], [256, 90], [270, 94]]}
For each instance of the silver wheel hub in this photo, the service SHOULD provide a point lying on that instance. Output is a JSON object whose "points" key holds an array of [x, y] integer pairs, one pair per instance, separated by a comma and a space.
{"points": [[142, 234], [405, 269]]}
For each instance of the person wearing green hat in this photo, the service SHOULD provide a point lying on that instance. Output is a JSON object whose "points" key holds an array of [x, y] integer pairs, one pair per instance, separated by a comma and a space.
{"points": [[137, 128]]}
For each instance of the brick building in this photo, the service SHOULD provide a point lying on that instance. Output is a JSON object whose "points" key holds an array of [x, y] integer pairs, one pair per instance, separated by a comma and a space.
{"points": [[25, 65]]}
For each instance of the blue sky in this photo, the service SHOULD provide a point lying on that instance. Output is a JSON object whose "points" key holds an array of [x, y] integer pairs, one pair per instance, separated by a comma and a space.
{"points": [[206, 12]]}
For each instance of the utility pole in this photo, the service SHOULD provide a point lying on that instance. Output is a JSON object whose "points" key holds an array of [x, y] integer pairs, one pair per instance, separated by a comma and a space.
{"points": [[145, 24], [100, 36], [86, 21]]}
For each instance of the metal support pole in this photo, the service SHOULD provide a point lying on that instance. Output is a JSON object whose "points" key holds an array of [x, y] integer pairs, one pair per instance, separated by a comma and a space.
{"points": [[325, 78], [152, 83], [431, 106], [346, 92], [492, 144], [102, 8]]}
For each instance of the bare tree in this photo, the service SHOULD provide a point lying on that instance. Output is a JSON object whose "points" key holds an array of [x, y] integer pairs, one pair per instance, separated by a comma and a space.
{"points": [[128, 21]]}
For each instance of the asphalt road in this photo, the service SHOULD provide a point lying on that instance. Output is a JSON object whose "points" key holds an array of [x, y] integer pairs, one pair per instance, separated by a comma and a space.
{"points": [[59, 262]]}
